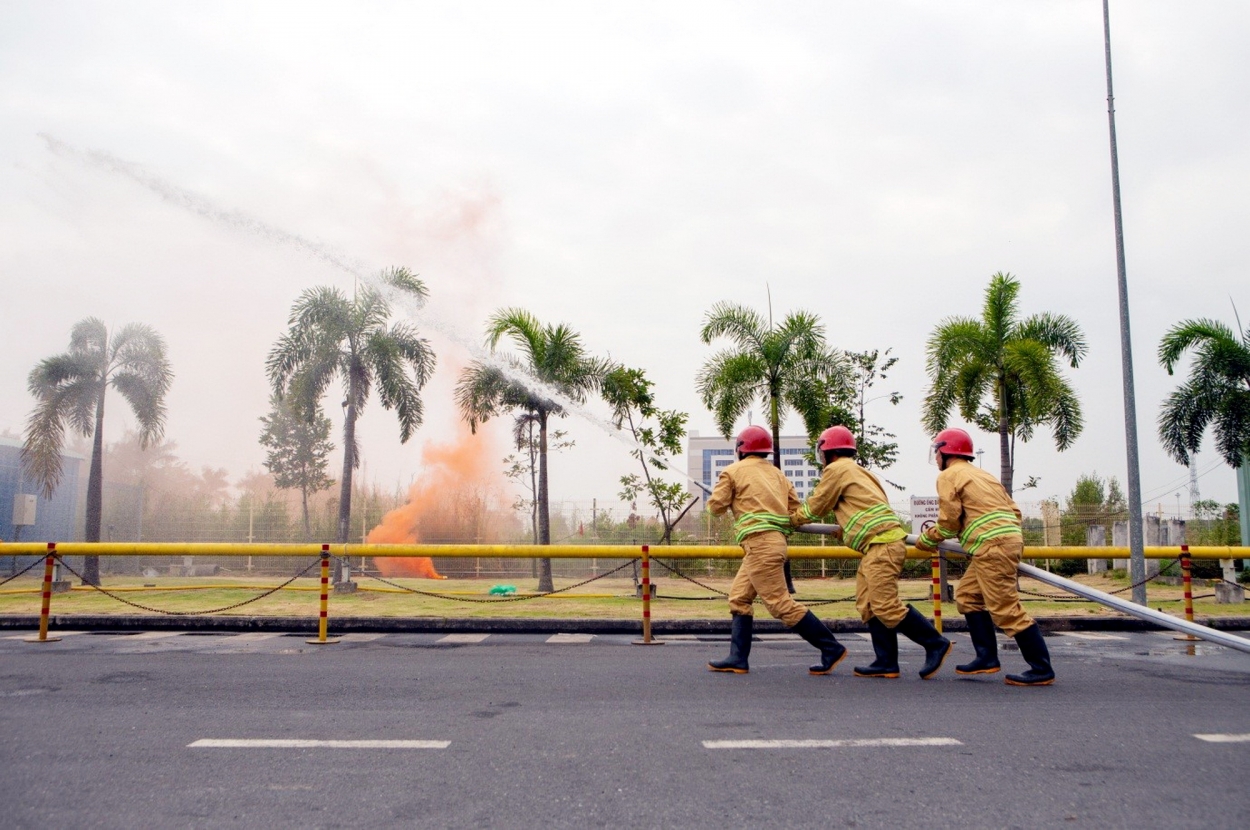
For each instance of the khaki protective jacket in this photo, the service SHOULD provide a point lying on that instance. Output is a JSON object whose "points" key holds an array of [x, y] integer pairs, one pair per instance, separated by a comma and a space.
{"points": [[760, 496], [857, 501], [973, 506]]}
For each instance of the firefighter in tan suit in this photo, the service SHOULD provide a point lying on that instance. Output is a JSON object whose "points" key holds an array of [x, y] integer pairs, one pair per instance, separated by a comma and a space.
{"points": [[858, 503], [973, 506], [762, 499]]}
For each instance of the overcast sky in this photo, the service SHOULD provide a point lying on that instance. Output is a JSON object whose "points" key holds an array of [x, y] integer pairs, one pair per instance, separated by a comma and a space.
{"points": [[621, 167]]}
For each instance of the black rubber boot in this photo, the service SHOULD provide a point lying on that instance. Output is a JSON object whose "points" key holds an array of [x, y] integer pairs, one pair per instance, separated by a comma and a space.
{"points": [[810, 628], [885, 644], [984, 641], [789, 580], [921, 632], [739, 646], [1033, 650]]}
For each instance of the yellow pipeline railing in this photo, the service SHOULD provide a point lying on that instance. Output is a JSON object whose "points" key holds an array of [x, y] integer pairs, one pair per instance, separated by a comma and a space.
{"points": [[553, 551]]}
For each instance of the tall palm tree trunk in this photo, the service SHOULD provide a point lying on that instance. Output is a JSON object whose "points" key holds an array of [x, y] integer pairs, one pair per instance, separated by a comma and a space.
{"points": [[1005, 461], [774, 420], [95, 494], [544, 507], [345, 485]]}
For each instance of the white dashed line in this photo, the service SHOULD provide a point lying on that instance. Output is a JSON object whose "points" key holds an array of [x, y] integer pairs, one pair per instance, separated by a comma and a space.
{"points": [[463, 638], [1224, 738], [830, 744], [254, 636], [1087, 635], [295, 743], [148, 635], [360, 637], [570, 638]]}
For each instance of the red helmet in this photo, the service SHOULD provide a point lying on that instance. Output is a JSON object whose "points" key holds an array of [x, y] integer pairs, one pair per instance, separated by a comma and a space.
{"points": [[955, 442], [754, 439], [836, 438]]}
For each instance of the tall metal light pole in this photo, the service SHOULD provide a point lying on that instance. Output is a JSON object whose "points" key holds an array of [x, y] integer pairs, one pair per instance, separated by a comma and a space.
{"points": [[1137, 558]]}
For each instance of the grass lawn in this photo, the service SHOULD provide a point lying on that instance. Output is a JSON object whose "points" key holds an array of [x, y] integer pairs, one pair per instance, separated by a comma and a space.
{"points": [[608, 598]]}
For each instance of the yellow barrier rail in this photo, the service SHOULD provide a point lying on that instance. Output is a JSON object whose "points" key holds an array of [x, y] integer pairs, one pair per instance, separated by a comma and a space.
{"points": [[50, 551], [553, 551]]}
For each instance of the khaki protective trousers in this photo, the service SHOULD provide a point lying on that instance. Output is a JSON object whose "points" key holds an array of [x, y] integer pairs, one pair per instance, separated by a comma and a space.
{"points": [[876, 583], [760, 574], [989, 584]]}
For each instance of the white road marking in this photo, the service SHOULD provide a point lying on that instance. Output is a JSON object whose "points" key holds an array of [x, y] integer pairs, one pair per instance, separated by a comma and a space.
{"points": [[254, 636], [766, 637], [463, 638], [830, 744], [1087, 635], [1224, 738], [570, 638], [360, 637], [864, 634], [296, 743], [148, 635]]}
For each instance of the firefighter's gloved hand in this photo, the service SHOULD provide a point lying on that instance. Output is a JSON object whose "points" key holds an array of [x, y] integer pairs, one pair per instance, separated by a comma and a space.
{"points": [[923, 544]]}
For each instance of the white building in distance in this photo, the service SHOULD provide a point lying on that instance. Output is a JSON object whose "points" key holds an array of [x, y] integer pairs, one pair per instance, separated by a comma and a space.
{"points": [[707, 456]]}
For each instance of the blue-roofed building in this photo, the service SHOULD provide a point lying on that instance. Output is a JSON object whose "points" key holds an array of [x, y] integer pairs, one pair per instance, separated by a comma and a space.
{"points": [[56, 518]]}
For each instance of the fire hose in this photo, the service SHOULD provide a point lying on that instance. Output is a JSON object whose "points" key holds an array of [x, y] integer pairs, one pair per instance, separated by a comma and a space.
{"points": [[1141, 612]]}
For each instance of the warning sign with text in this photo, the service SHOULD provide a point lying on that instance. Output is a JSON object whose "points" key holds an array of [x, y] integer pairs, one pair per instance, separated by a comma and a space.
{"points": [[924, 513]]}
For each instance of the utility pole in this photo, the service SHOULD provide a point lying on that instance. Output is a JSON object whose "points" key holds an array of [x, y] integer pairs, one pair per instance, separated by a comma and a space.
{"points": [[1137, 556]]}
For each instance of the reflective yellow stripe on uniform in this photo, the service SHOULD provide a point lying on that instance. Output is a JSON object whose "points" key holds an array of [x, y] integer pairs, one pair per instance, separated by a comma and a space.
{"points": [[861, 527], [992, 525], [750, 523]]}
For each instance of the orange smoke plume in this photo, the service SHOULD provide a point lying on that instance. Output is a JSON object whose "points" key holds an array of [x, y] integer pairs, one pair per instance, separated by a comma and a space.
{"points": [[452, 502]]}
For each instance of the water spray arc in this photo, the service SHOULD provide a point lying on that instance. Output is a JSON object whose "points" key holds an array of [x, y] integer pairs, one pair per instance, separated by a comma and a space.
{"points": [[240, 222]]}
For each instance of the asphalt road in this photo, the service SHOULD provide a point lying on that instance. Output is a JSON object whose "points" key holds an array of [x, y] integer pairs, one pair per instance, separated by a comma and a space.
{"points": [[96, 732]]}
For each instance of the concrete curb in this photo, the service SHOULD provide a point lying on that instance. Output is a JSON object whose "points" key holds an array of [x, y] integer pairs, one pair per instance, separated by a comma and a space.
{"points": [[521, 625]]}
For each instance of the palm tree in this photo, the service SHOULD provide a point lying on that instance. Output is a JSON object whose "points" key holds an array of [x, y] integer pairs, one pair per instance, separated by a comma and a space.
{"points": [[70, 389], [1003, 374], [352, 340], [1217, 392], [788, 367], [552, 371]]}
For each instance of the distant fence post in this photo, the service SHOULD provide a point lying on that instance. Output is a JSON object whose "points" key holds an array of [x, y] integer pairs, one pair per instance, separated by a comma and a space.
{"points": [[1095, 537], [1119, 539]]}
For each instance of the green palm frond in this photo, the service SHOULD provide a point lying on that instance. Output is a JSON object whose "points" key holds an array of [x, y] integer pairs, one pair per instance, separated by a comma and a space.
{"points": [[522, 328], [405, 281], [728, 382], [955, 340], [1217, 392], [89, 337], [740, 325], [1001, 306], [1232, 434], [1065, 416], [1058, 332], [1191, 333]]}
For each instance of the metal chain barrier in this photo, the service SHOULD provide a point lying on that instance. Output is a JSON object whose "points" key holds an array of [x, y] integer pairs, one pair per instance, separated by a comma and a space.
{"points": [[671, 569], [808, 603], [1162, 568], [38, 561], [406, 589], [143, 607]]}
